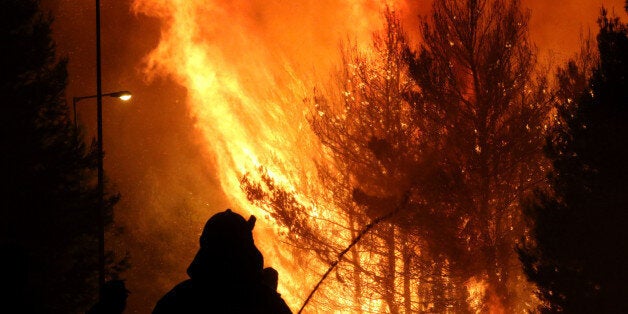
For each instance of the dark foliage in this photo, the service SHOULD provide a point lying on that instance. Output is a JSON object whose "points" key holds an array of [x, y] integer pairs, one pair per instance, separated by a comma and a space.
{"points": [[577, 254], [113, 299], [49, 198]]}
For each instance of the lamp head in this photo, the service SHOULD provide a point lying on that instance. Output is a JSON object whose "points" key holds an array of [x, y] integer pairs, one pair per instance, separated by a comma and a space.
{"points": [[123, 95]]}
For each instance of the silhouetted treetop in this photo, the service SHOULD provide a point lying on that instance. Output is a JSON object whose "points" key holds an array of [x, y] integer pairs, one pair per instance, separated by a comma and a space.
{"points": [[578, 248]]}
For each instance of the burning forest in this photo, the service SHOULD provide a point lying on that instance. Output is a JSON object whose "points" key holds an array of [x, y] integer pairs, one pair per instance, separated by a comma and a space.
{"points": [[445, 140], [400, 157]]}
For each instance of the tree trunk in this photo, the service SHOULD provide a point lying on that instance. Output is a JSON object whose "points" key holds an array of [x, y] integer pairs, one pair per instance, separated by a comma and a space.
{"points": [[407, 274], [357, 273], [389, 276]]}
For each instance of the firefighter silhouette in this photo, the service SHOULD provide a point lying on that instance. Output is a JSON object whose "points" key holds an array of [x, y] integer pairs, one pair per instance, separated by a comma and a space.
{"points": [[227, 274]]}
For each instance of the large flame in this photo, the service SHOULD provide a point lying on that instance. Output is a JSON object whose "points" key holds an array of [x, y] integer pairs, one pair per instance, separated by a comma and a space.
{"points": [[247, 68]]}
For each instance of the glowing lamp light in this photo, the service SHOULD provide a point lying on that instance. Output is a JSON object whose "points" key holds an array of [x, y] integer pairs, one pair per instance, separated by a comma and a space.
{"points": [[122, 95]]}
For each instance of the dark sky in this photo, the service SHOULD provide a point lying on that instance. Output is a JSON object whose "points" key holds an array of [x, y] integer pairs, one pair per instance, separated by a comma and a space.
{"points": [[155, 156]]}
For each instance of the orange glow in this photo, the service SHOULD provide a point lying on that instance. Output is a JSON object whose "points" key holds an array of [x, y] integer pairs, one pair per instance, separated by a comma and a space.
{"points": [[477, 293], [247, 69], [247, 66], [168, 188]]}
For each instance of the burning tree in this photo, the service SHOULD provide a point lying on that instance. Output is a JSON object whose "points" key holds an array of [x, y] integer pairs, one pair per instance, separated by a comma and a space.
{"points": [[475, 78], [367, 128], [444, 140]]}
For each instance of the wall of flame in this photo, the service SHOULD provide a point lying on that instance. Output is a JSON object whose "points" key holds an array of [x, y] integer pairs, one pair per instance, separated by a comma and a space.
{"points": [[247, 67]]}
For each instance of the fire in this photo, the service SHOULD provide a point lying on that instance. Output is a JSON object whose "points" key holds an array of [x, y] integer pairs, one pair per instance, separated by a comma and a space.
{"points": [[477, 292], [247, 68]]}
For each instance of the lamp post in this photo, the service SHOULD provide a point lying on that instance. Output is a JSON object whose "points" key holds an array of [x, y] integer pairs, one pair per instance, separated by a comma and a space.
{"points": [[101, 211], [101, 175], [124, 96], [101, 178]]}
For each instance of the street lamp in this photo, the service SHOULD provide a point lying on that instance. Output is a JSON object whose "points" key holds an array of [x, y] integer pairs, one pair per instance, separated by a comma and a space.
{"points": [[122, 95]]}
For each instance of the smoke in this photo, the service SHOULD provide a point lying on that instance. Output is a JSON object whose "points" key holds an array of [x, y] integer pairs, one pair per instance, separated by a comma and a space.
{"points": [[247, 67], [218, 90]]}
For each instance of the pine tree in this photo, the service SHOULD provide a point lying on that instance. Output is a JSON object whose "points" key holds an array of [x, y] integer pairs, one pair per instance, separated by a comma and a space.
{"points": [[577, 251], [477, 89], [49, 197]]}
